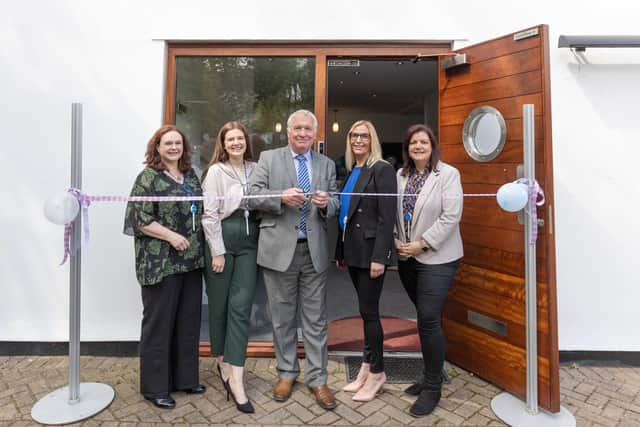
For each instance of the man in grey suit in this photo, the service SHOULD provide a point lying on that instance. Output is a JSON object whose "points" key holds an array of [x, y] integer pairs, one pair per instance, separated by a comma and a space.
{"points": [[293, 251]]}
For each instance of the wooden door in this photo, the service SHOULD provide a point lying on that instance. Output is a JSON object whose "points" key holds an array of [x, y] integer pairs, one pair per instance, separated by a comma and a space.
{"points": [[484, 317]]}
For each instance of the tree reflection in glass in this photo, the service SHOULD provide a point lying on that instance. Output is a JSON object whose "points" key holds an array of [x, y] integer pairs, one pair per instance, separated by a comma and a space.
{"points": [[257, 91]]}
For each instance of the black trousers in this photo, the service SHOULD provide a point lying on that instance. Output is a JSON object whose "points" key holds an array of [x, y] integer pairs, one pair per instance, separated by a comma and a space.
{"points": [[369, 291], [170, 334], [427, 287]]}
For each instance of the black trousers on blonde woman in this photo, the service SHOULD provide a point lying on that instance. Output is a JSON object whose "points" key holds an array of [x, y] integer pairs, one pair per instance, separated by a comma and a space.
{"points": [[170, 334], [369, 291]]}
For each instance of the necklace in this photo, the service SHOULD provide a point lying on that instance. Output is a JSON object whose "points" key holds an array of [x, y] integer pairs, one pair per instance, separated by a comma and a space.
{"points": [[179, 178]]}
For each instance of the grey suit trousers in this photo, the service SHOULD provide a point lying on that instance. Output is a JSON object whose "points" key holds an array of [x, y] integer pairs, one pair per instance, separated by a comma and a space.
{"points": [[299, 289]]}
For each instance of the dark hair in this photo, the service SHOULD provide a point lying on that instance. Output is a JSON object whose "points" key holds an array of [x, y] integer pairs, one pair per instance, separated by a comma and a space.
{"points": [[219, 153], [408, 163], [152, 157]]}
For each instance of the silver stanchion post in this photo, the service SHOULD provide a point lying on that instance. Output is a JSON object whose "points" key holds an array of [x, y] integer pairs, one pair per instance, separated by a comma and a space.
{"points": [[507, 407], [76, 401]]}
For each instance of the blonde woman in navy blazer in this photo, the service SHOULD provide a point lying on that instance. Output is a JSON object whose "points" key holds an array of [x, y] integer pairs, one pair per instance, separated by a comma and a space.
{"points": [[366, 245], [429, 249]]}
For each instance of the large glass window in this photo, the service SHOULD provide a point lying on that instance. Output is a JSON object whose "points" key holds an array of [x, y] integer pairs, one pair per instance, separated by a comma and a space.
{"points": [[259, 92]]}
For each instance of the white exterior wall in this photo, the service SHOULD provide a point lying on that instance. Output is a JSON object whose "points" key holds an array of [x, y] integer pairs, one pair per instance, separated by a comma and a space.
{"points": [[101, 53]]}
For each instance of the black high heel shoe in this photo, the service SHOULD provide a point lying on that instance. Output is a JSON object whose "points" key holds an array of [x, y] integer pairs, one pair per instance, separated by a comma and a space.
{"points": [[245, 407], [225, 384]]}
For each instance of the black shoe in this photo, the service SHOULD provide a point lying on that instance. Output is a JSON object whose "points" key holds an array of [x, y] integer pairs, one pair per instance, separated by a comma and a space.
{"points": [[415, 388], [245, 407], [164, 402], [225, 384], [199, 389], [425, 404]]}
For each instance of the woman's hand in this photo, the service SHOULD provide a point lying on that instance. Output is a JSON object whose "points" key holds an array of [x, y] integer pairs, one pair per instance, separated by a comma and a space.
{"points": [[341, 264], [178, 241], [217, 264], [398, 244], [376, 269], [409, 249]]}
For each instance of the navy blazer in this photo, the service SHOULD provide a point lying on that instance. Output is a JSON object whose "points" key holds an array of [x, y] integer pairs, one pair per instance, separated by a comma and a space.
{"points": [[368, 235]]}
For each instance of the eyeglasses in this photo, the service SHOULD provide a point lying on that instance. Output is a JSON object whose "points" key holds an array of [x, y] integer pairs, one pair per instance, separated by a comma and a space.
{"points": [[362, 136]]}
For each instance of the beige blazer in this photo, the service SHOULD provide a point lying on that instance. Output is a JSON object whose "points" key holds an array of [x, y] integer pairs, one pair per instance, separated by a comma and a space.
{"points": [[436, 215]]}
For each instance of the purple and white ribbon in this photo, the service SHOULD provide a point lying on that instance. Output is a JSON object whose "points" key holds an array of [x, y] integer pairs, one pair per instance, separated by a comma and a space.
{"points": [[534, 191], [85, 201]]}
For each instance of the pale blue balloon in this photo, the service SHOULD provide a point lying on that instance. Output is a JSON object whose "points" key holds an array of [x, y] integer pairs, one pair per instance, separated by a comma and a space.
{"points": [[513, 196]]}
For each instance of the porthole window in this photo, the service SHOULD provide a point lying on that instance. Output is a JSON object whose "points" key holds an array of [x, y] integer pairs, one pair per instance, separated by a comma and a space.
{"points": [[484, 133]]}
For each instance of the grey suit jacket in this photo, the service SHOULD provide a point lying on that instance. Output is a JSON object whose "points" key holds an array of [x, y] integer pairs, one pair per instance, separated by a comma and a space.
{"points": [[436, 215], [279, 226]]}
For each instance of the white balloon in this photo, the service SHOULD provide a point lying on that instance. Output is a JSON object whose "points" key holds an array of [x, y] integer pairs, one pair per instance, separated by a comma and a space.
{"points": [[61, 208], [513, 196]]}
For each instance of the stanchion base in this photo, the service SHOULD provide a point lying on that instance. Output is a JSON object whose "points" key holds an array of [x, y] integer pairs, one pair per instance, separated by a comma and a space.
{"points": [[513, 411], [54, 408]]}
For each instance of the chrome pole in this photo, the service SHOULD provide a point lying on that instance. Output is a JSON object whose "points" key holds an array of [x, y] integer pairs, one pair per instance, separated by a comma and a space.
{"points": [[75, 270], [529, 140], [506, 406], [76, 401]]}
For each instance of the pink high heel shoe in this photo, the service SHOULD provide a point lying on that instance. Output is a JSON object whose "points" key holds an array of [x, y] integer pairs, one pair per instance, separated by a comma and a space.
{"points": [[371, 388], [357, 384]]}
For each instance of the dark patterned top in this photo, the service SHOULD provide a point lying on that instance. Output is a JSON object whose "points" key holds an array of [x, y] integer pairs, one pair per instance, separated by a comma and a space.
{"points": [[155, 258], [414, 186]]}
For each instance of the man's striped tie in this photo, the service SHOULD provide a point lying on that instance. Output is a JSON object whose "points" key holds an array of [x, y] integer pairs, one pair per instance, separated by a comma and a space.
{"points": [[304, 184]]}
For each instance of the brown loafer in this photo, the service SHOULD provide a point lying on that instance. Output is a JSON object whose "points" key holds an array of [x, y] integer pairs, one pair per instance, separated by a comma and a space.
{"points": [[282, 390], [324, 397]]}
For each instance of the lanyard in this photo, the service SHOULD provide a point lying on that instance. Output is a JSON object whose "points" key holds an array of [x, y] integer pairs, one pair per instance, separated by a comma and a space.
{"points": [[194, 208], [244, 186]]}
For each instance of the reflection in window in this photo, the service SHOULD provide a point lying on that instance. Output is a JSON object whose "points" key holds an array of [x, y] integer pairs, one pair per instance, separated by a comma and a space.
{"points": [[259, 92]]}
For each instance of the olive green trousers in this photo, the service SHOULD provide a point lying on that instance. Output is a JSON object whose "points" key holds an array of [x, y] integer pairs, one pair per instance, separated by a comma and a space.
{"points": [[230, 293]]}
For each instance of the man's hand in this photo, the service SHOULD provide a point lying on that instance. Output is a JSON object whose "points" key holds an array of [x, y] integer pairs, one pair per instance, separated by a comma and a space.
{"points": [[320, 199], [341, 264], [293, 197]]}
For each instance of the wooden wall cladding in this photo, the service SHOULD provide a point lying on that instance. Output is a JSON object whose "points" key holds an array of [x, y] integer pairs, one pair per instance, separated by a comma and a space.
{"points": [[505, 74]]}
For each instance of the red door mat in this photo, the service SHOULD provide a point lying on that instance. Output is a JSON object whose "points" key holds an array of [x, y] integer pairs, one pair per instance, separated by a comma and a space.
{"points": [[399, 334]]}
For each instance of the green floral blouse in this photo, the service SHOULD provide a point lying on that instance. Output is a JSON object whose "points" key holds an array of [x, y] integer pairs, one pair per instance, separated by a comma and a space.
{"points": [[155, 258]]}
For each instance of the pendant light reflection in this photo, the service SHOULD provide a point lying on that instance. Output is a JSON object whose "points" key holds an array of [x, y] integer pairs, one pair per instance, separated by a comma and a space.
{"points": [[278, 127], [335, 127]]}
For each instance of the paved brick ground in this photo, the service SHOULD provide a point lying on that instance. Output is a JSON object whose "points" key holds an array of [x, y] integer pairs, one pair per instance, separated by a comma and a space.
{"points": [[597, 395]]}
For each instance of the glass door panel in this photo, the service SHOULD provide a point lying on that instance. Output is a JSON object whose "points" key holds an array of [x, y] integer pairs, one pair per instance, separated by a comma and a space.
{"points": [[260, 92]]}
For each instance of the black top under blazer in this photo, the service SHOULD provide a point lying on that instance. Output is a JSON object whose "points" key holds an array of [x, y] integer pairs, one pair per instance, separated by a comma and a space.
{"points": [[368, 235]]}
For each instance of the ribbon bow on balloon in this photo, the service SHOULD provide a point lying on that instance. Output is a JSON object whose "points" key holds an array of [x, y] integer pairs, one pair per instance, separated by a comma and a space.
{"points": [[62, 209], [513, 197]]}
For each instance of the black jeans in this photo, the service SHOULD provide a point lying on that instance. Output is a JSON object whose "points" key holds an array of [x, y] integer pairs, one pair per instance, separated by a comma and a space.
{"points": [[369, 291], [427, 287], [170, 334]]}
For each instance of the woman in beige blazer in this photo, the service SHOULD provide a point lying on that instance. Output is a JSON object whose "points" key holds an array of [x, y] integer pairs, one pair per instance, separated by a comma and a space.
{"points": [[231, 231], [429, 249]]}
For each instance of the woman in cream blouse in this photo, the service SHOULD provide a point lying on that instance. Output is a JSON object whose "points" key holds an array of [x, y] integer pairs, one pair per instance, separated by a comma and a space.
{"points": [[231, 232]]}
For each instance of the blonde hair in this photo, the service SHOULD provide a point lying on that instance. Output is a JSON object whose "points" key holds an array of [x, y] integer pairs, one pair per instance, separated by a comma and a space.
{"points": [[374, 144]]}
